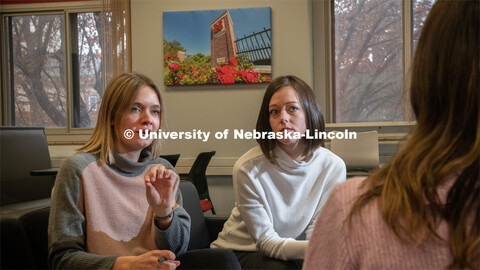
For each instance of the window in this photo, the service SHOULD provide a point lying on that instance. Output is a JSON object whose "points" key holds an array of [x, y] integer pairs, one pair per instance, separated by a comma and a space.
{"points": [[420, 12], [87, 67], [55, 62], [36, 68], [372, 44]]}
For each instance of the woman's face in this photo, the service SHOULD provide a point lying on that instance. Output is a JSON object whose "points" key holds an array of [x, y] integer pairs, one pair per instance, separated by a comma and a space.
{"points": [[286, 114], [143, 113]]}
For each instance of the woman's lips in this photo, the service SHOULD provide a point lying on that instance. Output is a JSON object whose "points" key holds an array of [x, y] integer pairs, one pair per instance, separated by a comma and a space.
{"points": [[143, 130]]}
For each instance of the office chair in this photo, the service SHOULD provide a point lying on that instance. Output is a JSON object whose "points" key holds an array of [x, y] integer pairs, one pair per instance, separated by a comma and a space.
{"points": [[171, 158], [23, 149], [359, 154], [199, 179]]}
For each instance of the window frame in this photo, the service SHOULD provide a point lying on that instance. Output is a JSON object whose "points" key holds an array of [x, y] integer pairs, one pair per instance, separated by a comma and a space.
{"points": [[68, 135], [323, 69]]}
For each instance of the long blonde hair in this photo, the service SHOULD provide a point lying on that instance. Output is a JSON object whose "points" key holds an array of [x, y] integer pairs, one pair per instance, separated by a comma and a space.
{"points": [[444, 92], [118, 97]]}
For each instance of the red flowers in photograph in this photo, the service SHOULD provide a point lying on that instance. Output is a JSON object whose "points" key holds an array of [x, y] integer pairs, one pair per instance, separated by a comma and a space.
{"points": [[233, 73], [233, 61], [249, 76], [198, 71], [173, 66], [226, 74]]}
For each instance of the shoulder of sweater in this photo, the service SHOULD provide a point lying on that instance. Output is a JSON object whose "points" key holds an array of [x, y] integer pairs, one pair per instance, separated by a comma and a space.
{"points": [[349, 189], [329, 156], [252, 154], [72, 168], [79, 161]]}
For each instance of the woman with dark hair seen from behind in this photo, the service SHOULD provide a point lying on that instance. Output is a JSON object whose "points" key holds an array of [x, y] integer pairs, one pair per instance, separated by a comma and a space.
{"points": [[281, 185], [420, 211], [116, 204]]}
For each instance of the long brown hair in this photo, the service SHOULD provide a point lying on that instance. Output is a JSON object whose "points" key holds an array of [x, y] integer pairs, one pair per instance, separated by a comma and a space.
{"points": [[444, 93], [119, 95], [313, 113]]}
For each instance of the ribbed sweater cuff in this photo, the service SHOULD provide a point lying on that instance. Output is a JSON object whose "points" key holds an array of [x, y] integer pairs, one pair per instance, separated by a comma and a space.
{"points": [[295, 250]]}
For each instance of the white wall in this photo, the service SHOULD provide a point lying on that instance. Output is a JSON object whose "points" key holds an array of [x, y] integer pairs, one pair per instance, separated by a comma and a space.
{"points": [[218, 107]]}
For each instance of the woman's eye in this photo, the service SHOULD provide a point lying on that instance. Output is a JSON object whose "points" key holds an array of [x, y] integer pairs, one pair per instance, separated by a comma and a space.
{"points": [[274, 112], [156, 112], [135, 109], [293, 109]]}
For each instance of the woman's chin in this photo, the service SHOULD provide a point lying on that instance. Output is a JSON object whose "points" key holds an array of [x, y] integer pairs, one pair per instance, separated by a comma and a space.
{"points": [[287, 142], [144, 143]]}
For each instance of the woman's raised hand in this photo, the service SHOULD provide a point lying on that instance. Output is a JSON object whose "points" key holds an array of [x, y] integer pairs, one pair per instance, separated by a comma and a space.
{"points": [[161, 188]]}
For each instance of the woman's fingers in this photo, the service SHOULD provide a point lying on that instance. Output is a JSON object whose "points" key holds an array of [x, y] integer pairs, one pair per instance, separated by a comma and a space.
{"points": [[162, 173], [165, 258], [158, 177], [151, 175], [167, 174], [158, 173], [177, 263], [167, 254], [177, 181]]}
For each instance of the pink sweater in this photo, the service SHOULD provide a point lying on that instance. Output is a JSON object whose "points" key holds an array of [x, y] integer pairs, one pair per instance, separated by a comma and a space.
{"points": [[369, 244], [99, 212]]}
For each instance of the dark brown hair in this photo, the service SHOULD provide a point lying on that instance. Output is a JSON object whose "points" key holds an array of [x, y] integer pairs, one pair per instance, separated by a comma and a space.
{"points": [[308, 101], [444, 93]]}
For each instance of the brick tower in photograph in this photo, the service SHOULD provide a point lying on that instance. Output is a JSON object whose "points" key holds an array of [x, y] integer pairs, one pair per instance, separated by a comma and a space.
{"points": [[222, 40]]}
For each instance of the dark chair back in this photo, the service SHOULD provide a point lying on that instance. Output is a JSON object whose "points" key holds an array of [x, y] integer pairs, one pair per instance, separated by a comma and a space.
{"points": [[197, 175], [23, 149], [199, 236], [171, 158]]}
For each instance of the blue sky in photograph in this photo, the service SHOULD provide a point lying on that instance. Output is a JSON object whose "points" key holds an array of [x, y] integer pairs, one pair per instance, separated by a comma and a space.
{"points": [[192, 28]]}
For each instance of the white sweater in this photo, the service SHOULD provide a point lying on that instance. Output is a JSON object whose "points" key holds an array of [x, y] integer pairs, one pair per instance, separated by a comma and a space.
{"points": [[277, 204]]}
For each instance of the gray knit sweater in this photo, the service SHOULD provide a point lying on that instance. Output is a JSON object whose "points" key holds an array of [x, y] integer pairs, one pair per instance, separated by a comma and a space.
{"points": [[99, 212]]}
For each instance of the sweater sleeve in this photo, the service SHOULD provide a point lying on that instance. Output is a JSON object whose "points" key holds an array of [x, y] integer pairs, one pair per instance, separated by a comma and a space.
{"points": [[176, 237], [259, 224], [66, 227], [327, 248]]}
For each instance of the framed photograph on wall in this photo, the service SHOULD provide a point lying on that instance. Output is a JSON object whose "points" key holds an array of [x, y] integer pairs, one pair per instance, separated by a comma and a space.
{"points": [[224, 46]]}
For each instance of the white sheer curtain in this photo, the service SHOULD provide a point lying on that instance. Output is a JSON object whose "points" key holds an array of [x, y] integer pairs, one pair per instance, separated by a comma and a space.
{"points": [[116, 37]]}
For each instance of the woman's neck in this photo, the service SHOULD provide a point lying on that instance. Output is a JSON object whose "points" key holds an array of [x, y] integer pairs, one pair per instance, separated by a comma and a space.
{"points": [[294, 151], [133, 156]]}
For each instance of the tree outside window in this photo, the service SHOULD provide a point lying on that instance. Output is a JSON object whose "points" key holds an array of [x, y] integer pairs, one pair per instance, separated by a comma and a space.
{"points": [[37, 68], [368, 58]]}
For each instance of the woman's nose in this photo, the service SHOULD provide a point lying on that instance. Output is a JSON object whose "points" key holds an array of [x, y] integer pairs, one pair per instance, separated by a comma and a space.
{"points": [[284, 115], [147, 119]]}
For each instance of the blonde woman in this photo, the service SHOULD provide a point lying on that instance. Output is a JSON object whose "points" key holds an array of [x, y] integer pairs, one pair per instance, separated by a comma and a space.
{"points": [[115, 204], [420, 211]]}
